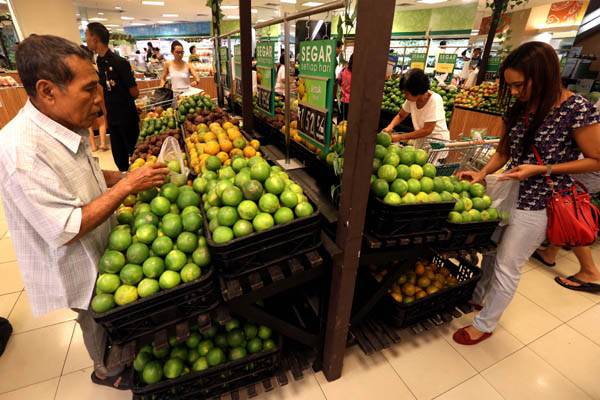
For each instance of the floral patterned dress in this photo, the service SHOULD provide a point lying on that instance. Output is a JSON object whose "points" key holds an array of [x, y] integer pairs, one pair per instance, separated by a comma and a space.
{"points": [[555, 143]]}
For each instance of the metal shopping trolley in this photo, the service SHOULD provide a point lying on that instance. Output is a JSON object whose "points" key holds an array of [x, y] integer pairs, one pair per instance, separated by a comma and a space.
{"points": [[451, 157], [152, 98]]}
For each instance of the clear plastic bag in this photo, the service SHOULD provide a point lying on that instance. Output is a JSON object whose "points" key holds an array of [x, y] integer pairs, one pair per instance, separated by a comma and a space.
{"points": [[170, 151], [504, 196]]}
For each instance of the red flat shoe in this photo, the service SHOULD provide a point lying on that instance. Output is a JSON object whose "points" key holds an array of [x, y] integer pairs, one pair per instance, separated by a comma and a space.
{"points": [[475, 306], [461, 336]]}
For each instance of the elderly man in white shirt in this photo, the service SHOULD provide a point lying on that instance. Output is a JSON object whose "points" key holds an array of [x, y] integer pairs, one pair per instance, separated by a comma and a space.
{"points": [[56, 198]]}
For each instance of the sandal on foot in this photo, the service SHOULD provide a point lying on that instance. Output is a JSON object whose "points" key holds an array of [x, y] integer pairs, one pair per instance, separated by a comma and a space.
{"points": [[120, 382], [461, 336], [104, 148], [476, 307], [540, 259], [583, 286]]}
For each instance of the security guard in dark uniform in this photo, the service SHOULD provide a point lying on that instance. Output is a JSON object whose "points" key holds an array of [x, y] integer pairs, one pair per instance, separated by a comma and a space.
{"points": [[120, 92]]}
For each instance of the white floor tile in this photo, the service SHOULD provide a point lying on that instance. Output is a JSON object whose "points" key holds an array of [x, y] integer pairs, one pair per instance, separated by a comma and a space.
{"points": [[11, 277], [78, 356], [428, 355], [475, 388], [34, 356], [78, 385], [574, 355], [3, 227], [22, 319], [568, 266], [540, 288], [7, 251], [587, 324], [39, 391], [524, 375], [486, 353], [358, 379], [7, 303], [526, 320], [529, 265]]}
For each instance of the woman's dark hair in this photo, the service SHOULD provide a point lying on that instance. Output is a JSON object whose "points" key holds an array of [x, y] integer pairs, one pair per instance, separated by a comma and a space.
{"points": [[415, 82], [350, 62], [175, 44], [100, 31], [539, 65], [192, 48], [281, 62]]}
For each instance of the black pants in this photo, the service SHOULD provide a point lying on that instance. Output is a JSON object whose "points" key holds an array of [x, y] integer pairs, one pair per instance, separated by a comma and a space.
{"points": [[344, 111], [123, 137]]}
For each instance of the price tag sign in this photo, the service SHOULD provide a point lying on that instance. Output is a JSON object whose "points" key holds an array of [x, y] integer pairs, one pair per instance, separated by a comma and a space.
{"points": [[265, 70], [417, 60], [445, 63], [237, 69], [312, 121], [263, 99], [224, 67], [315, 91], [492, 68]]}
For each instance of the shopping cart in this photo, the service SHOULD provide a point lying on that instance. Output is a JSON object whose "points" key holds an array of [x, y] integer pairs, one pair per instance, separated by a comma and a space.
{"points": [[451, 157], [149, 101]]}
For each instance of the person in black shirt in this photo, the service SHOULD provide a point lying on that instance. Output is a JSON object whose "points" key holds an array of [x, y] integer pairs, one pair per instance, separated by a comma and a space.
{"points": [[120, 91], [149, 51]]}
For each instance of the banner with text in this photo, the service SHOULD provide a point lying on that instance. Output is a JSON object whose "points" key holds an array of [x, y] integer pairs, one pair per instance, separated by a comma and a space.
{"points": [[265, 69], [224, 67], [445, 63], [315, 91], [417, 60], [492, 68], [237, 69]]}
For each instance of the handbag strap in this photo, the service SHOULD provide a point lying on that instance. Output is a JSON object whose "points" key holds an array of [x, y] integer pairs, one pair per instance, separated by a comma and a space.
{"points": [[539, 160]]}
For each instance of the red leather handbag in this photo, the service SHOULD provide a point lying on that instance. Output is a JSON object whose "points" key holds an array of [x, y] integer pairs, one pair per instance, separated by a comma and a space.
{"points": [[572, 218]]}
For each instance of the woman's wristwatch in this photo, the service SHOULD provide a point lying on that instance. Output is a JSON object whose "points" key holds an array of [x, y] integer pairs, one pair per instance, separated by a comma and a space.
{"points": [[548, 170], [123, 175]]}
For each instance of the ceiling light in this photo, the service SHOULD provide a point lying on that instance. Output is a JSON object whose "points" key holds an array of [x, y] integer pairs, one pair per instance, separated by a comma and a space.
{"points": [[100, 13], [430, 1], [315, 4], [2, 1], [127, 18], [170, 15], [153, 3], [232, 17], [229, 7], [112, 25], [288, 1], [98, 19], [261, 20], [136, 24], [254, 11], [165, 22], [118, 7]]}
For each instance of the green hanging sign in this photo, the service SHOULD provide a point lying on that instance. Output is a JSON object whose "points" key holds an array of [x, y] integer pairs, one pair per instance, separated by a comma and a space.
{"points": [[315, 91], [492, 68], [237, 68], [563, 62], [445, 63], [417, 60], [265, 71], [224, 67]]}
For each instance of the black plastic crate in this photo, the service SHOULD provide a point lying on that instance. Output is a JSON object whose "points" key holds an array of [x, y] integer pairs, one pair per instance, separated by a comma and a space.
{"points": [[212, 382], [402, 315], [387, 221], [147, 315], [469, 234], [261, 249]]}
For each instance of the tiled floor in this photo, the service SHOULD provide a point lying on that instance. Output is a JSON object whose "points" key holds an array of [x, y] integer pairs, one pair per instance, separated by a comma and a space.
{"points": [[547, 346]]}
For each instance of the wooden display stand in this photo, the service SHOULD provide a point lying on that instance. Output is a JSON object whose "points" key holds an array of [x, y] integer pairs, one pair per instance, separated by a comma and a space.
{"points": [[207, 84], [12, 99], [465, 119]]}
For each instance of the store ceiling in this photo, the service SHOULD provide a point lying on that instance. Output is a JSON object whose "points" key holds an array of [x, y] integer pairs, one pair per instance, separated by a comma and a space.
{"points": [[116, 13]]}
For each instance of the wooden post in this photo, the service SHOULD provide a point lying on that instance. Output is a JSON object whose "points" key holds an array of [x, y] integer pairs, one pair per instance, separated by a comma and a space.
{"points": [[497, 14], [373, 32], [246, 45]]}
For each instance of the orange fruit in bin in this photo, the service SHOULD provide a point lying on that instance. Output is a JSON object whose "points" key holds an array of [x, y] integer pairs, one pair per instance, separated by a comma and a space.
{"points": [[226, 146], [222, 156], [255, 143], [209, 136], [235, 152], [227, 162], [212, 148], [249, 152], [233, 133], [227, 125], [222, 136]]}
